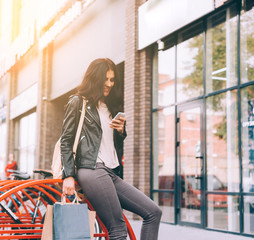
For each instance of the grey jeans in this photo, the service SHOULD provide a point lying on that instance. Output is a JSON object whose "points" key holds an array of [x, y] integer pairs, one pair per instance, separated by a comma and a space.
{"points": [[108, 194]]}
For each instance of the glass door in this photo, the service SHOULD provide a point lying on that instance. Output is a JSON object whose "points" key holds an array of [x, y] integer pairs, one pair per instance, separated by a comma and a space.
{"points": [[190, 184]]}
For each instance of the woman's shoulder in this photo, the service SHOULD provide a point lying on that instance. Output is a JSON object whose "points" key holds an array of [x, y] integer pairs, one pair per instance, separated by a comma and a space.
{"points": [[74, 102], [74, 99]]}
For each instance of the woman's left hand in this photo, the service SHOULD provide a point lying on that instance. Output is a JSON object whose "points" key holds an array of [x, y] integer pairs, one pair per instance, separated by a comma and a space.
{"points": [[118, 124]]}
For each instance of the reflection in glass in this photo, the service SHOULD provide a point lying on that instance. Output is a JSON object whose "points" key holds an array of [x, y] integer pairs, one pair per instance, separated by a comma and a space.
{"points": [[164, 87], [190, 165], [164, 148], [222, 141], [247, 124], [165, 200], [221, 51], [223, 212], [190, 67], [215, 184], [247, 42], [249, 214]]}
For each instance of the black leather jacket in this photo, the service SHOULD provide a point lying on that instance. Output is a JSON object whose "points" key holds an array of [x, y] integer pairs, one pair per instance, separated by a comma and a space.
{"points": [[90, 137]]}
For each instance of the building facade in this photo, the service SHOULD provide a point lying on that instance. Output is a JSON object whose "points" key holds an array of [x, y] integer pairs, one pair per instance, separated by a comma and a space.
{"points": [[187, 74]]}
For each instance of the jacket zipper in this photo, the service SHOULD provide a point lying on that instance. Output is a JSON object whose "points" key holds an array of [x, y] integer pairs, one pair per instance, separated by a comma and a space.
{"points": [[91, 115], [87, 119], [81, 138], [96, 157]]}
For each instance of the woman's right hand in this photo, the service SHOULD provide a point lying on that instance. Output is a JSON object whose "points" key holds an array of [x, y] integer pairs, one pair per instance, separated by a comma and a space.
{"points": [[68, 186]]}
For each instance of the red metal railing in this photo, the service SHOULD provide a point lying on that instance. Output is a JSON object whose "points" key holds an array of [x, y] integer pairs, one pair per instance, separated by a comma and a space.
{"points": [[26, 230]]}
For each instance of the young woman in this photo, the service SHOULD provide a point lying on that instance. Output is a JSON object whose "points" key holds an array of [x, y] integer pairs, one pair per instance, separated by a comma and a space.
{"points": [[11, 165], [99, 153]]}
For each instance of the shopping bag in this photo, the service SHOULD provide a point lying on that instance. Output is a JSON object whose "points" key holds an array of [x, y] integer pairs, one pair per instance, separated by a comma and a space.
{"points": [[91, 215], [47, 231], [70, 221]]}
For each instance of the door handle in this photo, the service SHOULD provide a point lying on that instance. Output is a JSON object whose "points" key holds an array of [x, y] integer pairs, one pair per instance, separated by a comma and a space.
{"points": [[198, 177]]}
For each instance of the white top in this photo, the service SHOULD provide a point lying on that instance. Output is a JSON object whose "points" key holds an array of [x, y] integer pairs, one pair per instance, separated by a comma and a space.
{"points": [[107, 152]]}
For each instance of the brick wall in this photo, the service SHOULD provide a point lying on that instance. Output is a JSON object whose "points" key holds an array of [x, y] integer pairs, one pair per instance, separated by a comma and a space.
{"points": [[10, 123], [49, 113], [145, 98], [137, 99]]}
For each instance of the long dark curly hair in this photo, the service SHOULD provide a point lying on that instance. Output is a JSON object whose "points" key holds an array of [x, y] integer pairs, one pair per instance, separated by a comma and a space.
{"points": [[92, 85]]}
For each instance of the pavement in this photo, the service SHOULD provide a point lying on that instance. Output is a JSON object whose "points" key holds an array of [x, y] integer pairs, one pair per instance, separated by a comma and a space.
{"points": [[176, 232]]}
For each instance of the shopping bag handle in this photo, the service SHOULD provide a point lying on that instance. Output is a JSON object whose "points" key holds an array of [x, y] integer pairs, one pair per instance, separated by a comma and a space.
{"points": [[75, 200]]}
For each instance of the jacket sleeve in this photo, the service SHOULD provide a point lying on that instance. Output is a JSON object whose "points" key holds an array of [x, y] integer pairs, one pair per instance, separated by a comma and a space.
{"points": [[118, 141], [68, 136], [120, 137]]}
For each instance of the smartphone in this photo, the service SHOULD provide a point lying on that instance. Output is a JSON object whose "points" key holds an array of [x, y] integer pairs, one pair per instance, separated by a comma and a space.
{"points": [[118, 115]]}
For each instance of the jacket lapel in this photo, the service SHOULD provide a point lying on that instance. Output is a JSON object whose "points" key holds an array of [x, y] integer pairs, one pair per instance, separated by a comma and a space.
{"points": [[92, 111]]}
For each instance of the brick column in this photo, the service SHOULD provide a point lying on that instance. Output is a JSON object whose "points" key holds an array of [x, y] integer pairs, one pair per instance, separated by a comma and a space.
{"points": [[12, 79], [131, 87], [41, 109], [145, 98], [137, 99], [45, 143], [49, 113]]}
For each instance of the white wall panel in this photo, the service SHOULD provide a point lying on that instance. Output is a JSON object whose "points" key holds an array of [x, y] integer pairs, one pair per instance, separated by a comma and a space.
{"points": [[24, 102], [158, 18], [98, 32], [28, 72]]}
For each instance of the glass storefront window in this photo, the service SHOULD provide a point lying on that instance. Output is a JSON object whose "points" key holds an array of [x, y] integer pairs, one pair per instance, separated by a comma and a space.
{"points": [[190, 162], [165, 201], [249, 214], [190, 63], [164, 148], [223, 212], [247, 42], [221, 50], [27, 138], [164, 86], [222, 142], [164, 160], [247, 125], [221, 187]]}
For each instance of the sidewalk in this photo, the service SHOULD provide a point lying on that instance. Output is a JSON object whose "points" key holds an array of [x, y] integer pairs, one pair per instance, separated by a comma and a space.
{"points": [[176, 232]]}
